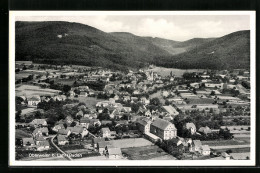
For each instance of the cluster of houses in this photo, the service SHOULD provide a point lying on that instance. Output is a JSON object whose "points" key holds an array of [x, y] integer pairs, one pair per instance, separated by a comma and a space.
{"points": [[38, 140], [205, 96]]}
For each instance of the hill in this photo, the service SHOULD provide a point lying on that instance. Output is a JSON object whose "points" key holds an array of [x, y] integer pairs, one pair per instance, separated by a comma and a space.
{"points": [[177, 47], [74, 43], [230, 51]]}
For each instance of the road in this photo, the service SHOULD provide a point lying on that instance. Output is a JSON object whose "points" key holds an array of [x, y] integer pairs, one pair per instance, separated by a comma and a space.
{"points": [[62, 152]]}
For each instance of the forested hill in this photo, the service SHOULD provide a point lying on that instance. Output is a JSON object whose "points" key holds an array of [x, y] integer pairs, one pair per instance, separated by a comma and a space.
{"points": [[228, 52], [74, 43]]}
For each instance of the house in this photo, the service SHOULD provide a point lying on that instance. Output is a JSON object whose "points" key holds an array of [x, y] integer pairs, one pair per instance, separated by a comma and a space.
{"points": [[165, 93], [43, 145], [205, 150], [195, 146], [69, 119], [76, 130], [214, 85], [38, 139], [205, 130], [105, 132], [72, 93], [147, 113], [28, 142], [101, 146], [84, 122], [65, 132], [163, 129], [191, 127], [126, 98], [126, 109], [39, 122], [143, 125], [96, 140], [116, 97], [195, 85], [34, 101], [114, 113], [114, 153], [59, 98], [170, 110], [62, 140], [41, 131], [145, 101], [225, 155], [83, 94], [57, 127]]}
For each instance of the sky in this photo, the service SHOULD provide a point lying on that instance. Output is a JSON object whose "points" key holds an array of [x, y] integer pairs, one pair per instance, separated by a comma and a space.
{"points": [[173, 27]]}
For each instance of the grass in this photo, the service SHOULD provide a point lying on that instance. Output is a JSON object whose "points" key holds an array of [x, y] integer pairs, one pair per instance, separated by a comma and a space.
{"points": [[22, 134], [235, 150], [65, 81], [144, 153], [29, 90], [225, 142]]}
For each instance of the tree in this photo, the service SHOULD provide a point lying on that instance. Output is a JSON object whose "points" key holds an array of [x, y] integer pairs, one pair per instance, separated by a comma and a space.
{"points": [[66, 88], [212, 93], [135, 107], [155, 101], [73, 124], [17, 116]]}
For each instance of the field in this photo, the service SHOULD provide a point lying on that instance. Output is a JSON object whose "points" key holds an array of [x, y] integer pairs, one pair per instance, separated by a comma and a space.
{"points": [[240, 141], [65, 81], [133, 142], [90, 101], [26, 73], [29, 90], [146, 153], [235, 150], [22, 134]]}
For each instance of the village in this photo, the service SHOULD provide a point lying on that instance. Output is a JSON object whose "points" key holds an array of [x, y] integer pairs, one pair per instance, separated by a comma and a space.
{"points": [[72, 112]]}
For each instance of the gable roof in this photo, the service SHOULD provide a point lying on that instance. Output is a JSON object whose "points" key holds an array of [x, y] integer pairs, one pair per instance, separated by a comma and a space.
{"points": [[171, 110], [61, 138], [34, 98], [39, 138], [38, 121], [190, 125], [76, 129], [63, 131], [205, 148], [197, 143], [162, 124], [205, 130], [43, 143], [43, 130], [96, 140]]}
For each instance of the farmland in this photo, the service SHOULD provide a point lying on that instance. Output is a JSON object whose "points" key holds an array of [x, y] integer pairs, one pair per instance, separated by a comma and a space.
{"points": [[145, 153], [65, 81], [225, 142], [30, 90]]}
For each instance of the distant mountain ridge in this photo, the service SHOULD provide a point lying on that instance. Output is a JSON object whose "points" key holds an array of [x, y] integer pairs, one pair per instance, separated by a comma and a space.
{"points": [[74, 43]]}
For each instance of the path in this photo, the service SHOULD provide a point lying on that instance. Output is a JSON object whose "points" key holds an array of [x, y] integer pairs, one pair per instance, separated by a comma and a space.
{"points": [[65, 155]]}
